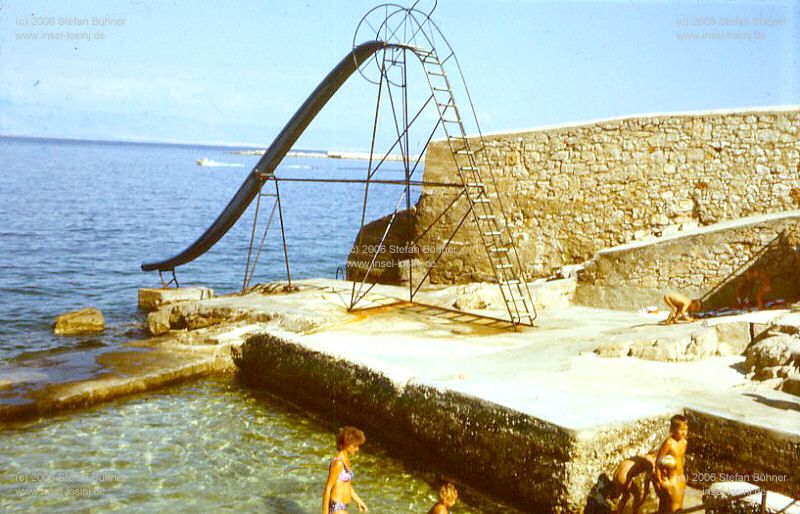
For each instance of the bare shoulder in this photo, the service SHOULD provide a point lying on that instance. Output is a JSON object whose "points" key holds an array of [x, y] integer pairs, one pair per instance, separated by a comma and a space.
{"points": [[337, 465], [439, 509]]}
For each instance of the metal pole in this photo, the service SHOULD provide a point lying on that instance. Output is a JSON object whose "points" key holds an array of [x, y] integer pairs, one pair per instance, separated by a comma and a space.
{"points": [[369, 171], [763, 501], [283, 234], [406, 162], [252, 238]]}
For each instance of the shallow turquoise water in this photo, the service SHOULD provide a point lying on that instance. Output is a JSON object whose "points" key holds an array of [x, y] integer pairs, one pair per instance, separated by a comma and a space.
{"points": [[201, 447]]}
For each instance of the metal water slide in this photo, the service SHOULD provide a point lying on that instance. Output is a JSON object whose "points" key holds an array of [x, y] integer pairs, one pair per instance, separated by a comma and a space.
{"points": [[273, 156]]}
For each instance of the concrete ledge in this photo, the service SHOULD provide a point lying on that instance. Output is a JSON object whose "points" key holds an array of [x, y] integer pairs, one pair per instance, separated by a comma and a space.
{"points": [[535, 464], [719, 447], [151, 299]]}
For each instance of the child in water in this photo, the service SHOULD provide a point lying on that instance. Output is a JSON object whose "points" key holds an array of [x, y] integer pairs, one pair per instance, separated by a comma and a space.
{"points": [[670, 481], [447, 498], [632, 479]]}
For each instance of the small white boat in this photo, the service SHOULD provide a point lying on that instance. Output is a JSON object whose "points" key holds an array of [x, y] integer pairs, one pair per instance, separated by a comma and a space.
{"points": [[215, 164]]}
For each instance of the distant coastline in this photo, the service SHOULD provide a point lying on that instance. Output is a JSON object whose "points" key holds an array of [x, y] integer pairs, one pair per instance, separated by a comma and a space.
{"points": [[329, 154], [229, 148]]}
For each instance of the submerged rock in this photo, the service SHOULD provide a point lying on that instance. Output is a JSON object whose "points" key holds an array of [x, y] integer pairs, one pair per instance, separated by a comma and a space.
{"points": [[80, 322]]}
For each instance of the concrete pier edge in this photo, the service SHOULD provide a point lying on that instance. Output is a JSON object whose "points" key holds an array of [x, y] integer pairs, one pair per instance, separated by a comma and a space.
{"points": [[518, 458]]}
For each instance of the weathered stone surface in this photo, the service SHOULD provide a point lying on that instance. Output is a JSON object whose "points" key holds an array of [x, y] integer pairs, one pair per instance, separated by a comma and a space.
{"points": [[80, 322], [546, 294], [478, 296], [733, 337], [667, 344], [708, 263], [572, 191], [776, 357], [152, 299], [720, 447], [777, 350], [158, 321], [721, 493], [543, 467], [383, 262]]}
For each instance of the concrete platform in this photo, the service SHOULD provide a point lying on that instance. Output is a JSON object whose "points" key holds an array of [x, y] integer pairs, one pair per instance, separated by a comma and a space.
{"points": [[536, 409], [601, 409]]}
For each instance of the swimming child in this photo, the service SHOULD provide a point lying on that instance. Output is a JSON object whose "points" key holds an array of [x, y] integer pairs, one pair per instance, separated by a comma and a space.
{"points": [[447, 498]]}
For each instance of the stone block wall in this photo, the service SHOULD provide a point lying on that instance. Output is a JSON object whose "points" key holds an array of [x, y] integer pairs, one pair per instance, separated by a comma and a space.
{"points": [[708, 264], [723, 450], [537, 465], [571, 191]]}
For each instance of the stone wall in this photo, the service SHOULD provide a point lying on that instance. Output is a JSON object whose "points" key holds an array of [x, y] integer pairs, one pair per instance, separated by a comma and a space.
{"points": [[726, 450], [708, 264], [571, 191], [536, 465]]}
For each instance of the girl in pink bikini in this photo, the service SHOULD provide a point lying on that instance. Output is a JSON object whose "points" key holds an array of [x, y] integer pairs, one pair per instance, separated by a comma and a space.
{"points": [[338, 487]]}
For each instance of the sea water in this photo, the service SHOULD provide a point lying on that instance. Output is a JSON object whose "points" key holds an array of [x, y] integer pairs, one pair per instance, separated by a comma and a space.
{"points": [[78, 219]]}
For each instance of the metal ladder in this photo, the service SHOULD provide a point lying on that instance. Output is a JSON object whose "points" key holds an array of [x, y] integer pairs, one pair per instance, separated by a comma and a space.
{"points": [[492, 223]]}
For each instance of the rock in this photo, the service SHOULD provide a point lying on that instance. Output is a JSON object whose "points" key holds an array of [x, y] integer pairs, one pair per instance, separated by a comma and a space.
{"points": [[704, 343], [721, 491], [792, 384], [613, 349], [158, 321], [478, 296], [273, 288], [152, 299], [664, 349], [79, 322], [724, 350], [554, 294], [735, 335], [776, 350]]}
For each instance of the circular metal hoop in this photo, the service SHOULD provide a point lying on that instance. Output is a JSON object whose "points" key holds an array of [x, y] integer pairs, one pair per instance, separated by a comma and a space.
{"points": [[395, 25]]}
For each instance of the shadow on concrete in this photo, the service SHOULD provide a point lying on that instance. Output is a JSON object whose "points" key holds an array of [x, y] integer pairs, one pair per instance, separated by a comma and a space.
{"points": [[776, 264], [778, 404]]}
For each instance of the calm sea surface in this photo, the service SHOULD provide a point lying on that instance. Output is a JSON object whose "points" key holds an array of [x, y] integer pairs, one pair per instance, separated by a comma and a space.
{"points": [[78, 219]]}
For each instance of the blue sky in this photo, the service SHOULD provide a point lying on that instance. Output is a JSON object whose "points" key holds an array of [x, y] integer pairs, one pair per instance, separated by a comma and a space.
{"points": [[236, 71]]}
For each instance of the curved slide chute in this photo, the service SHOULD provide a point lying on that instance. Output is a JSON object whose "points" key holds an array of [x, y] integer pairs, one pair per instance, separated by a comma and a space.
{"points": [[273, 156]]}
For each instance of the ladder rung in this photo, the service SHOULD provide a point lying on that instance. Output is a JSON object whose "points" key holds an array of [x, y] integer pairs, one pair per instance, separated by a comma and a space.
{"points": [[499, 250], [437, 73], [492, 233], [469, 168], [481, 200], [487, 217], [509, 282], [464, 152], [504, 266]]}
